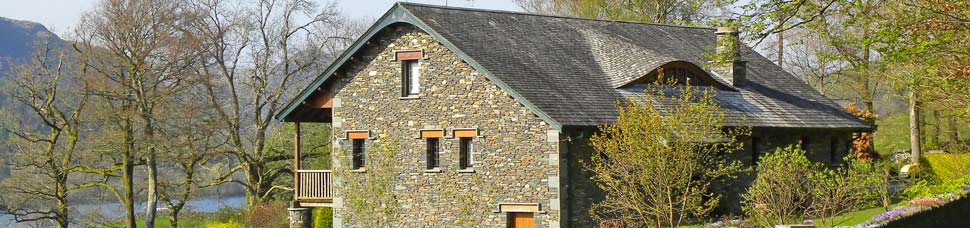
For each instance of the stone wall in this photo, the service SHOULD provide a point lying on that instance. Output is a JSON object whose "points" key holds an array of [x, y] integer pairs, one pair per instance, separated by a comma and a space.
{"points": [[953, 214], [515, 159]]}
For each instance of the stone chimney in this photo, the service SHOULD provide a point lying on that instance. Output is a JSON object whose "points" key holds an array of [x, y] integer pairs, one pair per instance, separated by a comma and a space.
{"points": [[727, 62]]}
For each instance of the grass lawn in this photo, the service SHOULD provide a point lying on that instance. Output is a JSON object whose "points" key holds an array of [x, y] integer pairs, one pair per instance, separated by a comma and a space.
{"points": [[163, 222]]}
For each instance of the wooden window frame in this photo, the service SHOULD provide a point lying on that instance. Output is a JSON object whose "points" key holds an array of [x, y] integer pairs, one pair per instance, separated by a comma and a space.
{"points": [[432, 153], [407, 88], [359, 153], [466, 150]]}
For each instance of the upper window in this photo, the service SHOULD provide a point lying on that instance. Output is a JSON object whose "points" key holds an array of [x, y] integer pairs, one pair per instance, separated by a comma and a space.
{"points": [[410, 78], [678, 73]]}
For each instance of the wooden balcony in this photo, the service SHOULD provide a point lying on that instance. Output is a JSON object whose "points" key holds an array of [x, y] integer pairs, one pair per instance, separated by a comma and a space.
{"points": [[311, 188], [314, 187]]}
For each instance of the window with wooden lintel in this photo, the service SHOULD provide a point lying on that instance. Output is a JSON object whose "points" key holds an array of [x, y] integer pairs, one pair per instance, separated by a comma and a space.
{"points": [[466, 143], [433, 140], [410, 71], [359, 148]]}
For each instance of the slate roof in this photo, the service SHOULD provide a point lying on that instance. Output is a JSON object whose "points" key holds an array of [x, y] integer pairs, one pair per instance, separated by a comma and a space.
{"points": [[572, 69]]}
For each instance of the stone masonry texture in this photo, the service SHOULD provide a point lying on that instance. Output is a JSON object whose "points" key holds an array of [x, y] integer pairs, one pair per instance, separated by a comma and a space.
{"points": [[511, 158]]}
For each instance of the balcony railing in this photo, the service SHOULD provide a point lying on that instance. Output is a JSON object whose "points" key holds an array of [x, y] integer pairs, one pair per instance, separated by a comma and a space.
{"points": [[314, 185]]}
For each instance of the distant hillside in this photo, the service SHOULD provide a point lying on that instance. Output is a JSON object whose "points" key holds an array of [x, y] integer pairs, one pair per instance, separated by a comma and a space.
{"points": [[17, 40]]}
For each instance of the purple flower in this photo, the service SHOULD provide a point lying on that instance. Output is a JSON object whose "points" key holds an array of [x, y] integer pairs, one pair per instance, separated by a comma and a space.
{"points": [[808, 222]]}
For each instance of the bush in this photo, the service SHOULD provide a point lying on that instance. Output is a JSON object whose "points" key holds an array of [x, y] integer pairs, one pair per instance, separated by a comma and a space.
{"points": [[267, 215], [229, 224], [931, 187], [226, 214], [789, 187], [322, 217], [947, 167], [781, 189]]}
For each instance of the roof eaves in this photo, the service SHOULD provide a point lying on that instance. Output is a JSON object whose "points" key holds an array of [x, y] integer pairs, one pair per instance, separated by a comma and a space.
{"points": [[398, 13], [389, 17], [474, 64]]}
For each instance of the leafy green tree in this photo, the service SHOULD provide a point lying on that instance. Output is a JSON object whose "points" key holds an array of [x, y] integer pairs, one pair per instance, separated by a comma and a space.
{"points": [[929, 39], [657, 165], [685, 12]]}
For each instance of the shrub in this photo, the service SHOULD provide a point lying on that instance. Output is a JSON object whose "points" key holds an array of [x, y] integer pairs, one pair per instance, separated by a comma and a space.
{"points": [[946, 167], [322, 217], [788, 187], [931, 187], [781, 189], [229, 224], [267, 215], [657, 166]]}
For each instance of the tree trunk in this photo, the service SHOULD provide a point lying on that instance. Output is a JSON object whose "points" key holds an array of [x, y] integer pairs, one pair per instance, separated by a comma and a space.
{"points": [[128, 202], [174, 218], [127, 176], [914, 133], [937, 129], [954, 130], [152, 204]]}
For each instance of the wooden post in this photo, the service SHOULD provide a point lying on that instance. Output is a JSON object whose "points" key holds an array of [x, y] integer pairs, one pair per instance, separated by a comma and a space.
{"points": [[296, 159]]}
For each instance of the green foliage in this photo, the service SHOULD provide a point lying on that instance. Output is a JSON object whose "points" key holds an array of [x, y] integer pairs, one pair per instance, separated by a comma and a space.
{"points": [[658, 166], [942, 173], [789, 187], [683, 12], [781, 188], [373, 202], [314, 154], [322, 217], [929, 187], [229, 224], [893, 134], [946, 167]]}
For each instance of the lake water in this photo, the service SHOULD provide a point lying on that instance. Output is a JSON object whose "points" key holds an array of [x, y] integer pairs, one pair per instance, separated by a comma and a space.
{"points": [[114, 210]]}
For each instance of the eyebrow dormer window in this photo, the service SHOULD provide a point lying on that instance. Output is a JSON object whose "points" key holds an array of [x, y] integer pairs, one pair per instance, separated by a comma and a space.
{"points": [[411, 77]]}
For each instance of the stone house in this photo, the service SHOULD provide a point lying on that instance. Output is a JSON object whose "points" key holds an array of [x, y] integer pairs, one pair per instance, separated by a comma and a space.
{"points": [[491, 110]]}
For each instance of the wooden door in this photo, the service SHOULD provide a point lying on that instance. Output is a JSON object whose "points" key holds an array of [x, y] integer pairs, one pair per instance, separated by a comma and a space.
{"points": [[521, 220]]}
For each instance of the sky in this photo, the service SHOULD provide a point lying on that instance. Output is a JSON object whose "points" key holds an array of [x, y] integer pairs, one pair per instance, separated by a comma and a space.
{"points": [[60, 16]]}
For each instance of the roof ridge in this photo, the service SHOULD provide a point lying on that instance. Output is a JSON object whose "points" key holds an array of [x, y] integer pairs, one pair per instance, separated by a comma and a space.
{"points": [[546, 15]]}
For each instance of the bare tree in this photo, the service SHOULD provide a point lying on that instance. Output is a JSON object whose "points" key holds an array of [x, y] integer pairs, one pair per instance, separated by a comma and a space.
{"points": [[140, 49], [811, 58], [45, 137], [256, 53]]}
